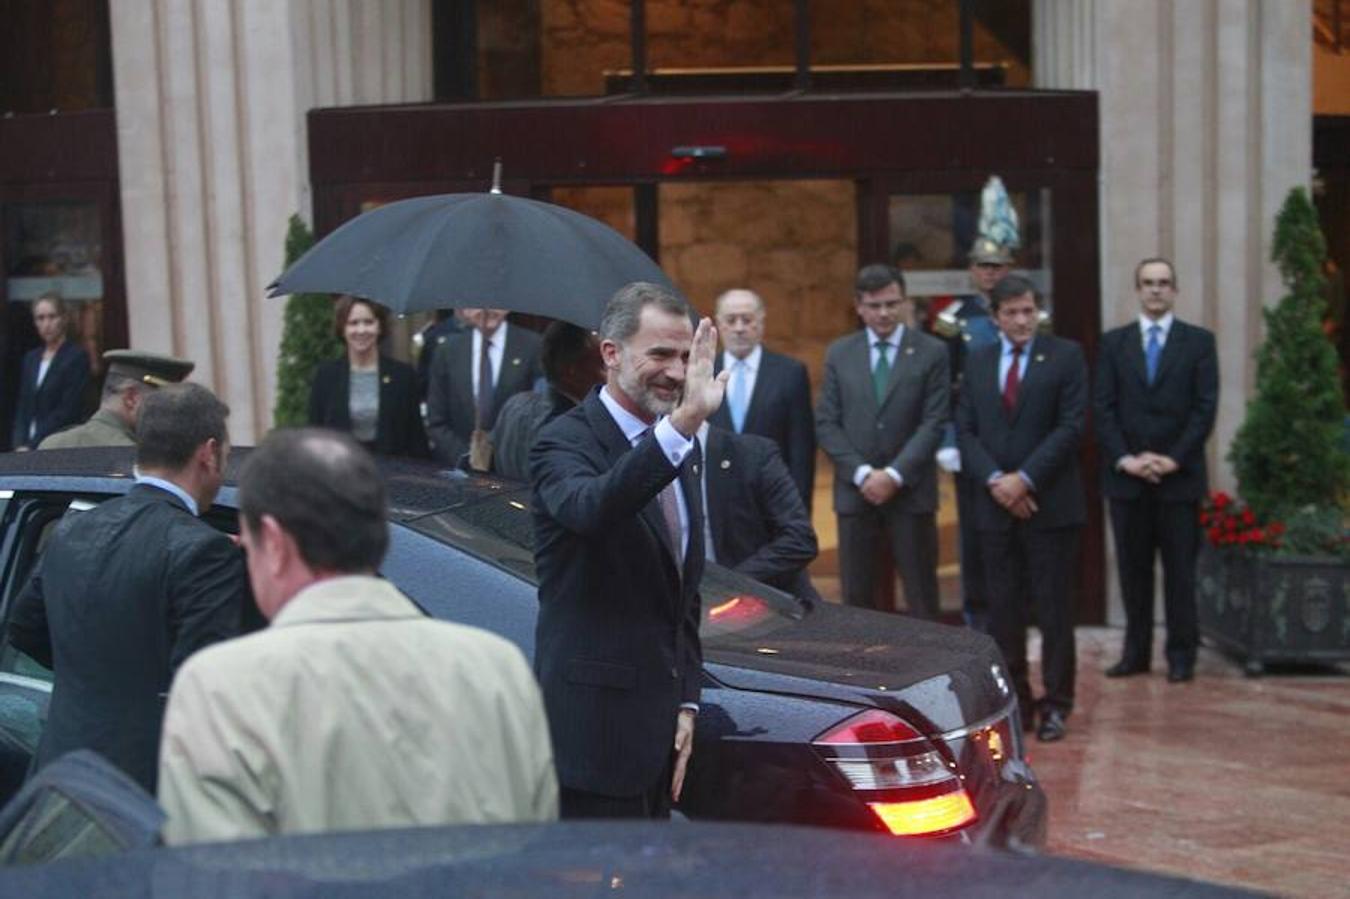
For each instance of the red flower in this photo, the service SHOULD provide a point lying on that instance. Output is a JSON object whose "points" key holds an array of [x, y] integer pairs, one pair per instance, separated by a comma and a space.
{"points": [[1258, 536], [1215, 536], [1248, 519], [1221, 500], [1204, 517], [1276, 528], [1230, 522]]}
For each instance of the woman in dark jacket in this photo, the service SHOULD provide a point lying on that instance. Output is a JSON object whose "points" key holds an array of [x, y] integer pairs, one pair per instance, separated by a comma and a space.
{"points": [[366, 393], [53, 378]]}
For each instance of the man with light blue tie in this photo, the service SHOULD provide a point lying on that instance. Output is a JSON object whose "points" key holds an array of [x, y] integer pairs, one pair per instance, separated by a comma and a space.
{"points": [[769, 394], [1155, 398], [880, 416]]}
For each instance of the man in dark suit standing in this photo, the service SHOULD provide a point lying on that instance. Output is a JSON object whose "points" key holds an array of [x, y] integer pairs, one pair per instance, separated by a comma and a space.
{"points": [[472, 375], [882, 407], [1019, 423], [618, 526], [1155, 399], [124, 593], [756, 521], [769, 394]]}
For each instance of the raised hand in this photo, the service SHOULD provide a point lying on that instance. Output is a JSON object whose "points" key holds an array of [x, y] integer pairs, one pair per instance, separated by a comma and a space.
{"points": [[703, 391]]}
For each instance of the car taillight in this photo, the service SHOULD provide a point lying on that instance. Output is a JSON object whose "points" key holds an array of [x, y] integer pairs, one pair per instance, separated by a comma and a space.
{"points": [[878, 751], [946, 812]]}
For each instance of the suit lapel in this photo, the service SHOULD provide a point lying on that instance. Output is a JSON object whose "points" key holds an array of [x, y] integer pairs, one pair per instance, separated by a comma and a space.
{"points": [[719, 471], [1173, 348], [860, 367], [616, 445], [465, 378], [903, 354], [508, 378], [1134, 352], [691, 470], [1037, 359]]}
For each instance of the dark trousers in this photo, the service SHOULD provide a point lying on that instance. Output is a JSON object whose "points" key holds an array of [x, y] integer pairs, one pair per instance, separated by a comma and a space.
{"points": [[913, 541], [652, 803], [974, 594], [1025, 566], [1143, 527]]}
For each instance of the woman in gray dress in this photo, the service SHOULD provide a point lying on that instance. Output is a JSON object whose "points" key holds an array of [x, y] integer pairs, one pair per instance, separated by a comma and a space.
{"points": [[366, 392]]}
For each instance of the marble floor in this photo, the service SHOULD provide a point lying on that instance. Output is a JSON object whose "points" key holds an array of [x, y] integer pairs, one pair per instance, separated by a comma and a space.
{"points": [[1228, 779]]}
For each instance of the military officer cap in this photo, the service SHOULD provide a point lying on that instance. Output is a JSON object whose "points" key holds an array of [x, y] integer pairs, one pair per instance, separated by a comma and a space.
{"points": [[984, 250], [154, 369]]}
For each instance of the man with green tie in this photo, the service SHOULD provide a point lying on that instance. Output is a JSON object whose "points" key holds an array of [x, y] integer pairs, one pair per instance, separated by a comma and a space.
{"points": [[882, 407]]}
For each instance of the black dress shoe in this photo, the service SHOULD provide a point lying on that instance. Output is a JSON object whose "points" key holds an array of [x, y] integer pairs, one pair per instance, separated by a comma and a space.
{"points": [[1124, 669], [1051, 727], [1180, 674]]}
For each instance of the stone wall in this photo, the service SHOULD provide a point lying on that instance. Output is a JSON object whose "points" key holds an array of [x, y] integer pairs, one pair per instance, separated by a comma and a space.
{"points": [[793, 242], [581, 39]]}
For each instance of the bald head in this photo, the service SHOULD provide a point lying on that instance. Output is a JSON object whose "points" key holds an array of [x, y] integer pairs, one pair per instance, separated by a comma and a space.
{"points": [[740, 321]]}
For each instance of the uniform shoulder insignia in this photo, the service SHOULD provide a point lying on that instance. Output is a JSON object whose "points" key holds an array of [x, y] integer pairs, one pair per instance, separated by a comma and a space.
{"points": [[948, 325]]}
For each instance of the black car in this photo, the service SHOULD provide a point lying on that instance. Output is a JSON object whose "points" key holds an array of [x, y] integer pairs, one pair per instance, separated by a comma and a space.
{"points": [[812, 713]]}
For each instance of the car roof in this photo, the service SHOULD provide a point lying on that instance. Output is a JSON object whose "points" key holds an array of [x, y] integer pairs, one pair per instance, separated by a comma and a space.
{"points": [[415, 488]]}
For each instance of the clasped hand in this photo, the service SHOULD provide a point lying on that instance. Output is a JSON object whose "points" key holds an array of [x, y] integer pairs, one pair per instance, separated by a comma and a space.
{"points": [[1013, 494], [1151, 467]]}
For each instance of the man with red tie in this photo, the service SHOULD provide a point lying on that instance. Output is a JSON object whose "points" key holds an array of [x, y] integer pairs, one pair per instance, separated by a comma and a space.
{"points": [[1019, 422]]}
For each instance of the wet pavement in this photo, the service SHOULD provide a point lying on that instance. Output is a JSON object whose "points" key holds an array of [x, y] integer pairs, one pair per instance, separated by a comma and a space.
{"points": [[1236, 780]]}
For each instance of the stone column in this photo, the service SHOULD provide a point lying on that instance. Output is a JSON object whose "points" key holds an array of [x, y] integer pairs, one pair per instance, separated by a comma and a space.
{"points": [[211, 101], [1206, 111], [1206, 123]]}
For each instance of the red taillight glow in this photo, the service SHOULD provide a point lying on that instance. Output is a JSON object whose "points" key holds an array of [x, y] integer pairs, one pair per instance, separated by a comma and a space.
{"points": [[871, 726], [740, 608], [925, 816]]}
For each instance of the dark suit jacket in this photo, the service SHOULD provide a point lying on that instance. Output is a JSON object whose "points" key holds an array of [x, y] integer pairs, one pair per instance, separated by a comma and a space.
{"points": [[398, 430], [59, 402], [759, 524], [123, 594], [902, 432], [617, 646], [518, 424], [780, 409], [1041, 438], [1173, 416], [450, 400]]}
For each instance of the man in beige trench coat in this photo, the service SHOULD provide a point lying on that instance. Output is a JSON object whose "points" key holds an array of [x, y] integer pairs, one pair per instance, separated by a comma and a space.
{"points": [[352, 710]]}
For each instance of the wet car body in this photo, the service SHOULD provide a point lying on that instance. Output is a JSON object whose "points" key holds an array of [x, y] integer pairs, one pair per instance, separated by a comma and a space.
{"points": [[783, 678]]}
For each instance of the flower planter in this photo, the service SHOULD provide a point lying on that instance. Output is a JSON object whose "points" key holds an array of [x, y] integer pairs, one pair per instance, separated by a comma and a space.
{"points": [[1274, 608]]}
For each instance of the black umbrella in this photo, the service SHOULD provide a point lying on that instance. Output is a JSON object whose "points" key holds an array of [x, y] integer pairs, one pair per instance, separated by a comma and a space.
{"points": [[488, 249]]}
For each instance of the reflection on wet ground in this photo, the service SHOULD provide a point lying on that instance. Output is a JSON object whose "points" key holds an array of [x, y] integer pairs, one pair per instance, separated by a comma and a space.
{"points": [[1229, 779]]}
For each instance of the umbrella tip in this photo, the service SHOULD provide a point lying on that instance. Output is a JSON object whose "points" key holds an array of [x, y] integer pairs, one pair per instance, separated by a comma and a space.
{"points": [[496, 176]]}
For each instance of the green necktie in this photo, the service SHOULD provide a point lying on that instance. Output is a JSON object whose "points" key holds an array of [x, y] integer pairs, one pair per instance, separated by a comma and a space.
{"points": [[881, 372]]}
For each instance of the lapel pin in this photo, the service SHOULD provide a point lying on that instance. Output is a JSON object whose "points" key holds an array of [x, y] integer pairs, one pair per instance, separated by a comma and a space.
{"points": [[515, 361], [387, 379], [909, 351], [726, 463], [1040, 358], [695, 467]]}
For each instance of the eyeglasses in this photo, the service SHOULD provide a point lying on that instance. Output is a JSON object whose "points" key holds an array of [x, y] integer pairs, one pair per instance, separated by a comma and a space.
{"points": [[1159, 282]]}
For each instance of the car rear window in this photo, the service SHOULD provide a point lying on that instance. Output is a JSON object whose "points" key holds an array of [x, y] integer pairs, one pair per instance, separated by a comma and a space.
{"points": [[498, 529]]}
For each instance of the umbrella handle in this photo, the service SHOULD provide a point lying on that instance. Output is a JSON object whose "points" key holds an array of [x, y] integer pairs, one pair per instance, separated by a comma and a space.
{"points": [[496, 176]]}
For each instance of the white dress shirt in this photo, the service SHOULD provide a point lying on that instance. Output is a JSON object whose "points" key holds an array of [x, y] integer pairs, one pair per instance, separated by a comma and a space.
{"points": [[892, 356], [674, 444], [1164, 328], [496, 352], [750, 372]]}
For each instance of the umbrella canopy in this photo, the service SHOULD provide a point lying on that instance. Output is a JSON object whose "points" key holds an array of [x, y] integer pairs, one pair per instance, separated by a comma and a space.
{"points": [[488, 249]]}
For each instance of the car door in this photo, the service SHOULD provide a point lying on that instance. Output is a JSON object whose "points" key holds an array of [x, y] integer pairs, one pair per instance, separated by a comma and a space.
{"points": [[27, 521]]}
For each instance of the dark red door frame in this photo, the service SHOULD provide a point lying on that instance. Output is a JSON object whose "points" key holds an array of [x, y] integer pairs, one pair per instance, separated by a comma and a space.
{"points": [[935, 142]]}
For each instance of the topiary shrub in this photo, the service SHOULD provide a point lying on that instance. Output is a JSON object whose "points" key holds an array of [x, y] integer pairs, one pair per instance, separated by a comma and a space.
{"points": [[1288, 455], [306, 338]]}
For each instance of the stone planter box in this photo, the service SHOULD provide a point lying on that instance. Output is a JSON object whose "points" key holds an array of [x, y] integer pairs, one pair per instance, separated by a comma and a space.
{"points": [[1274, 608]]}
